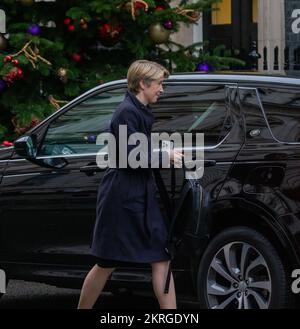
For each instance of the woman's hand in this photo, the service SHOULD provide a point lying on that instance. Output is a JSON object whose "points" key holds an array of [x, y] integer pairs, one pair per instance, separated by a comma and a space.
{"points": [[176, 158]]}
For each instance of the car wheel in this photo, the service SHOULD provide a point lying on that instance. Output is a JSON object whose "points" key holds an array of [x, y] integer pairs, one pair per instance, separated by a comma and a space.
{"points": [[241, 269]]}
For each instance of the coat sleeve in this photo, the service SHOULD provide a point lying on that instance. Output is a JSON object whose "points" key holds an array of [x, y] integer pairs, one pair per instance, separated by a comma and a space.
{"points": [[132, 121]]}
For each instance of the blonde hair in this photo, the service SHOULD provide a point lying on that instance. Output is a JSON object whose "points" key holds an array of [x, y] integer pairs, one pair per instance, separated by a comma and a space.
{"points": [[143, 70]]}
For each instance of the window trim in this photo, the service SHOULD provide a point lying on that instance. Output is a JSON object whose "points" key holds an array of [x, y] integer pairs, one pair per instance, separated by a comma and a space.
{"points": [[124, 85], [73, 105], [266, 118], [208, 83]]}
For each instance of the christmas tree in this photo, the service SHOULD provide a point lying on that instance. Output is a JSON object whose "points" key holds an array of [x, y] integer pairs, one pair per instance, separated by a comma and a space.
{"points": [[55, 50]]}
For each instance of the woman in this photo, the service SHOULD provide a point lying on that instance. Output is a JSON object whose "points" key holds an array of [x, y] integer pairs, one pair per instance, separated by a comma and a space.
{"points": [[129, 227]]}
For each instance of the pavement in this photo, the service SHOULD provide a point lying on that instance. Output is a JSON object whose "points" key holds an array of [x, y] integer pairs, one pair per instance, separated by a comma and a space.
{"points": [[31, 295]]}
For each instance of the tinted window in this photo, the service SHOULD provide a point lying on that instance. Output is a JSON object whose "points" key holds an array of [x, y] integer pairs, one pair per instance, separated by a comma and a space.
{"points": [[193, 108], [282, 108], [76, 130]]}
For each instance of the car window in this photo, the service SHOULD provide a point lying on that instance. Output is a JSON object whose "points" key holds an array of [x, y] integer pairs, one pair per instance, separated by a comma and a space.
{"points": [[282, 108], [76, 131], [193, 109]]}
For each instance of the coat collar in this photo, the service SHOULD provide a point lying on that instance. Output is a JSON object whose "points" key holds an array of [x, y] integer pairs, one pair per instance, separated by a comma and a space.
{"points": [[136, 102]]}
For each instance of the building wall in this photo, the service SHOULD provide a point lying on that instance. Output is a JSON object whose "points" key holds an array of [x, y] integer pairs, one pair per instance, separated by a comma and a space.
{"points": [[278, 29], [271, 34], [188, 35], [292, 28]]}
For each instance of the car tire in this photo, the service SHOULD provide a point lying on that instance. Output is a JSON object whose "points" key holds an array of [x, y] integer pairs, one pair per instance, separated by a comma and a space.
{"points": [[241, 269]]}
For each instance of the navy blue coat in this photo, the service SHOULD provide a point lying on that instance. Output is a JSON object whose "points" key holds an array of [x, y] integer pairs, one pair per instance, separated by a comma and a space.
{"points": [[129, 225]]}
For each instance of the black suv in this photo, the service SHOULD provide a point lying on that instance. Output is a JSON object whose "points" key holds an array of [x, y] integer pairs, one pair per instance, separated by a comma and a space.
{"points": [[251, 123]]}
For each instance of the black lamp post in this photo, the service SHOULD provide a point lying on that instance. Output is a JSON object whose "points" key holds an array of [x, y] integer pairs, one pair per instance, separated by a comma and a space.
{"points": [[254, 56]]}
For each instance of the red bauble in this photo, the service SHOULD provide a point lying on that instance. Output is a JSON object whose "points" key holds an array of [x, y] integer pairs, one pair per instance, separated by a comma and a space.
{"points": [[8, 58], [159, 8], [110, 33], [71, 28], [34, 122], [104, 30], [67, 21], [76, 57], [20, 73], [15, 62]]}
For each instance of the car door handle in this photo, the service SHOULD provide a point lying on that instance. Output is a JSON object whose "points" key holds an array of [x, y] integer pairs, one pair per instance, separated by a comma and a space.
{"points": [[91, 169]]}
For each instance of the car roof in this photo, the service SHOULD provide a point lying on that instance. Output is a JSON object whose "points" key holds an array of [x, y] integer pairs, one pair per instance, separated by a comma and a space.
{"points": [[244, 78], [237, 77], [229, 78]]}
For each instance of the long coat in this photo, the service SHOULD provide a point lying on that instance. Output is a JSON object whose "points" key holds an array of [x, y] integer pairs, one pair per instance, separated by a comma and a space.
{"points": [[129, 225]]}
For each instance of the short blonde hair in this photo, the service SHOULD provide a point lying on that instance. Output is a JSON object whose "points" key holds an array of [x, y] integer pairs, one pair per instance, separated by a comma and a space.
{"points": [[143, 70]]}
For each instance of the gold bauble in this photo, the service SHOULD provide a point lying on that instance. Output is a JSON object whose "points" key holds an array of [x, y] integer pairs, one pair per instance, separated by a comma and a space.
{"points": [[63, 74], [158, 34], [128, 6], [3, 43], [27, 3]]}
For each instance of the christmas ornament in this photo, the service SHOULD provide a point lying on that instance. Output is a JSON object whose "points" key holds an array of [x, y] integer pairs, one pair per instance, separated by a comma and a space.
{"points": [[20, 73], [135, 7], [14, 74], [159, 8], [67, 21], [83, 24], [72, 24], [8, 58], [34, 29], [161, 5], [7, 144], [90, 138], [15, 62], [34, 122], [158, 34], [56, 102], [191, 14], [71, 28], [168, 25], [32, 55], [27, 3], [3, 85], [76, 57], [204, 67], [63, 74], [110, 33], [3, 43], [21, 129]]}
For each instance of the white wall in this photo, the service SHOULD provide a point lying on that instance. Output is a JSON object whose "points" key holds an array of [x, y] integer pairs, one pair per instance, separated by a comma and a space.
{"points": [[271, 32], [188, 35]]}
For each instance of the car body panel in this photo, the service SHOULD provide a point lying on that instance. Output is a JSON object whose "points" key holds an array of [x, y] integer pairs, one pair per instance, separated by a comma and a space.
{"points": [[51, 212]]}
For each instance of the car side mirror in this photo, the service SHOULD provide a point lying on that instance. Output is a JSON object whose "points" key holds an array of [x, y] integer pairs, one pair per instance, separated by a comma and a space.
{"points": [[26, 146]]}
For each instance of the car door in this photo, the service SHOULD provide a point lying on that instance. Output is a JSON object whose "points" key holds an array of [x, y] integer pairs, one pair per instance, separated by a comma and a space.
{"points": [[208, 108], [50, 211], [268, 170]]}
